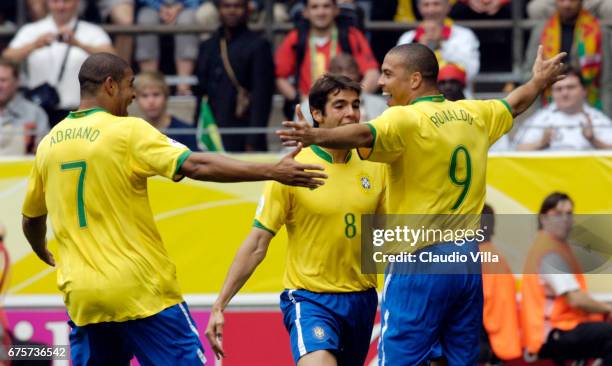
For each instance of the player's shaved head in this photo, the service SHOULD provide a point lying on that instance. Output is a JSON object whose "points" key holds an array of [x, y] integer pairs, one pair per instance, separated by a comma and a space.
{"points": [[417, 58], [97, 68]]}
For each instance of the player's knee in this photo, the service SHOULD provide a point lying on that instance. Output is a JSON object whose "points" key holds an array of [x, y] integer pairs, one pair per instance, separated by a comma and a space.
{"points": [[318, 358]]}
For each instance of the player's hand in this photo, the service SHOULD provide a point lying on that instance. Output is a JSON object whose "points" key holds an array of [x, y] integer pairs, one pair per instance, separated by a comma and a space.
{"points": [[301, 131], [548, 72], [214, 331], [290, 172]]}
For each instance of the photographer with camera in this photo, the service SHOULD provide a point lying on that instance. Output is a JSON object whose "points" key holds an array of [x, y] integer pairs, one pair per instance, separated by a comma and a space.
{"points": [[53, 50]]}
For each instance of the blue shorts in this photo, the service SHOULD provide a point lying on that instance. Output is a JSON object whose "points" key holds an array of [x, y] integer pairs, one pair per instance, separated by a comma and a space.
{"points": [[337, 322], [425, 315], [166, 338]]}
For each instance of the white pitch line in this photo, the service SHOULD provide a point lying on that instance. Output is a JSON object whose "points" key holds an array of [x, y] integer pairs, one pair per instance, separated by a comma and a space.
{"points": [[202, 206], [22, 183], [30, 281]]}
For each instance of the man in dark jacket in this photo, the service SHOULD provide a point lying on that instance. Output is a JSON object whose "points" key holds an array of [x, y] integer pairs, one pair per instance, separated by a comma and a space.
{"points": [[251, 67]]}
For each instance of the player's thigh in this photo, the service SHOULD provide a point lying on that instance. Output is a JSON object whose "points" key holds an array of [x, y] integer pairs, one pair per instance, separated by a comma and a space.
{"points": [[98, 344], [412, 311], [311, 326], [460, 332], [169, 337], [357, 327]]}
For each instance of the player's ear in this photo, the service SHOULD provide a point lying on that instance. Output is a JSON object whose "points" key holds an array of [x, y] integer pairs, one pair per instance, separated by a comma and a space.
{"points": [[416, 80], [109, 85], [317, 115]]}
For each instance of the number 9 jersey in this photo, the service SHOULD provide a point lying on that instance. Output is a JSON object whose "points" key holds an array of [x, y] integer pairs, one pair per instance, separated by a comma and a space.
{"points": [[324, 224], [90, 175], [437, 152]]}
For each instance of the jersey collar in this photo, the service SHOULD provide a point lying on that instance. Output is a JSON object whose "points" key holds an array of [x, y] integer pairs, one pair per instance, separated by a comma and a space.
{"points": [[430, 98], [326, 156], [85, 112]]}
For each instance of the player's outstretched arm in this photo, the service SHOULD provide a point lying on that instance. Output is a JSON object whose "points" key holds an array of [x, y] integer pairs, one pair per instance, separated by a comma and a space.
{"points": [[252, 251], [545, 73], [35, 230], [219, 168], [344, 137]]}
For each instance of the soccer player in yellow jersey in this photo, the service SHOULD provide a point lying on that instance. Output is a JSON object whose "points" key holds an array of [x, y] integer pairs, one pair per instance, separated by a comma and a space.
{"points": [[90, 176], [328, 305], [436, 156]]}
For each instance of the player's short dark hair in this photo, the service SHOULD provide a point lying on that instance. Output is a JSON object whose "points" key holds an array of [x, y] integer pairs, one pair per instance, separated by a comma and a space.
{"points": [[326, 85], [551, 201], [12, 65], [97, 68], [335, 2], [418, 58]]}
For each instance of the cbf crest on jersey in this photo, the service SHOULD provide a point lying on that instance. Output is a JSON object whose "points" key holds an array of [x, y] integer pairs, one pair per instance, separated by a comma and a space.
{"points": [[365, 182]]}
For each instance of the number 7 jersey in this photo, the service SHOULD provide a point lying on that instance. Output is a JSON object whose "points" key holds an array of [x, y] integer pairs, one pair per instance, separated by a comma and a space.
{"points": [[437, 153], [90, 176]]}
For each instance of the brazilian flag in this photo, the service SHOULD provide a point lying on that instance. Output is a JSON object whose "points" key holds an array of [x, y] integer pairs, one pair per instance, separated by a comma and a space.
{"points": [[208, 134]]}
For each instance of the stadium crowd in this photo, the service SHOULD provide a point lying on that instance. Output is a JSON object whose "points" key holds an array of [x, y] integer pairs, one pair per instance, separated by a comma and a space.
{"points": [[233, 74]]}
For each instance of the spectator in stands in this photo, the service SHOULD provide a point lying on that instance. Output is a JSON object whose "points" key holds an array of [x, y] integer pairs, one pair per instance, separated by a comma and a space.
{"points": [[574, 30], [371, 105], [501, 331], [37, 9], [560, 320], [22, 123], [305, 53], [235, 70], [152, 94], [44, 46], [481, 9], [452, 81], [568, 123], [208, 15], [544, 9], [119, 12], [451, 43], [180, 12]]}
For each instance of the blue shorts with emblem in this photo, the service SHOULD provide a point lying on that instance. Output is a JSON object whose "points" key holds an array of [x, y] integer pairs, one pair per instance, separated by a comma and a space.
{"points": [[429, 311], [166, 338], [337, 322]]}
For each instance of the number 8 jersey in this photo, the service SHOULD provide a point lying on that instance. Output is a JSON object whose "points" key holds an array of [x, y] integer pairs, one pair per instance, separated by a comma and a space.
{"points": [[324, 224], [437, 153], [90, 176]]}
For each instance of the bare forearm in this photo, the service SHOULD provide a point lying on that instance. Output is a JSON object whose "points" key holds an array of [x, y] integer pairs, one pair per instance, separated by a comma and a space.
{"points": [[522, 97], [345, 137], [598, 144], [286, 88], [370, 81], [586, 303], [18, 54], [219, 168], [248, 257], [35, 231], [531, 146]]}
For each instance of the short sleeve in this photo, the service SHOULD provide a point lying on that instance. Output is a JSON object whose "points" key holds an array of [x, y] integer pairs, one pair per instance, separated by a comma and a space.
{"points": [[274, 206], [497, 115], [34, 204], [153, 153], [23, 37], [390, 130], [557, 274]]}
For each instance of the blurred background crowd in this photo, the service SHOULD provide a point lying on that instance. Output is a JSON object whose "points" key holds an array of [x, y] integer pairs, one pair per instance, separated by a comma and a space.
{"points": [[238, 67]]}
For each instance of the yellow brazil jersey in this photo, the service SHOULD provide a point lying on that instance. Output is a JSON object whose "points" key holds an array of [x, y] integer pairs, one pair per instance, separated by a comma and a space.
{"points": [[90, 176], [324, 224], [437, 153]]}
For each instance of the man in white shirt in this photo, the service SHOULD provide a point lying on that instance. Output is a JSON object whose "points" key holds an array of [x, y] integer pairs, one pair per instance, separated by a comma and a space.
{"points": [[452, 43], [43, 45], [568, 123]]}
